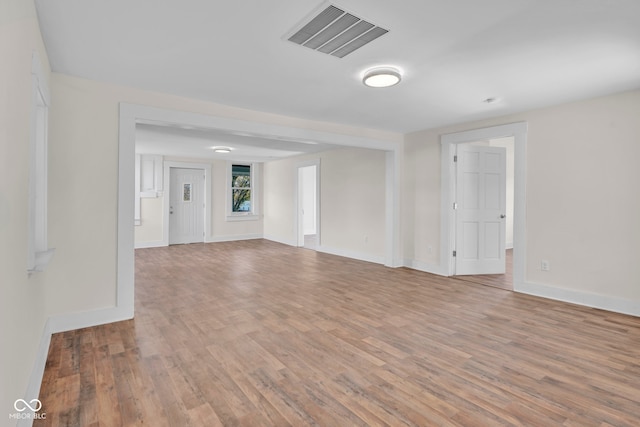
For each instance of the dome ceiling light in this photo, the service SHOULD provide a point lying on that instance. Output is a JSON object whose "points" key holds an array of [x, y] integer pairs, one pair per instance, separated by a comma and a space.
{"points": [[223, 150], [381, 77]]}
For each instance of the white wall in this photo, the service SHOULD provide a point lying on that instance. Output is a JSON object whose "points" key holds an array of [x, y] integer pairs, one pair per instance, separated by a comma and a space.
{"points": [[582, 202], [22, 298], [150, 232], [308, 194], [84, 143], [352, 202], [222, 228]]}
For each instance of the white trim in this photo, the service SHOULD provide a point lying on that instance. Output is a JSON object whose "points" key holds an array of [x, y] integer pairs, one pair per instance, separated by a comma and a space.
{"points": [[603, 302], [425, 267], [150, 244], [38, 252], [393, 203], [283, 241], [126, 200], [233, 238], [204, 167], [62, 323], [243, 218], [255, 211], [208, 239], [519, 133], [130, 113], [137, 220], [351, 254], [36, 71], [148, 114], [37, 372], [87, 319], [296, 199]]}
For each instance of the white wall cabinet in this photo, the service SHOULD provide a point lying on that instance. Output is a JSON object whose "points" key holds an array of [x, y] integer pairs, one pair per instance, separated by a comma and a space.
{"points": [[149, 179]]}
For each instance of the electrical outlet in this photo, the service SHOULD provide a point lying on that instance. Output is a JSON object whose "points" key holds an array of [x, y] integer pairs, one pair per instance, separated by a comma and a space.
{"points": [[545, 265]]}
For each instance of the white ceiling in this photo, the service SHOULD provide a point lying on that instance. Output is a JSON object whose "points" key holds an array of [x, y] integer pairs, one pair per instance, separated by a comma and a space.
{"points": [[454, 55], [187, 141]]}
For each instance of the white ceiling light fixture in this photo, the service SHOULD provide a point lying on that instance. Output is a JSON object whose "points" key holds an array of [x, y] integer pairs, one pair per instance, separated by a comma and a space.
{"points": [[223, 150], [382, 77]]}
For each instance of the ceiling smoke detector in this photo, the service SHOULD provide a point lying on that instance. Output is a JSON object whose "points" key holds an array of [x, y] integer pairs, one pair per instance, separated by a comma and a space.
{"points": [[336, 32]]}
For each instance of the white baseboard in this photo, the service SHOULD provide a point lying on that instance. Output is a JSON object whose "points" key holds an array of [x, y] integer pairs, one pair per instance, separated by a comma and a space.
{"points": [[232, 238], [86, 319], [152, 244], [37, 372], [279, 240], [62, 323], [603, 302], [210, 239], [423, 266], [351, 254]]}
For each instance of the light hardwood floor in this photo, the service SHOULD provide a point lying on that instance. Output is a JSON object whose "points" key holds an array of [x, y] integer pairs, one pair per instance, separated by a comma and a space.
{"points": [[502, 281], [256, 333]]}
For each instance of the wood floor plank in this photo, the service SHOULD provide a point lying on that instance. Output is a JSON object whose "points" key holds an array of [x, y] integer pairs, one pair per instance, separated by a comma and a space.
{"points": [[255, 333]]}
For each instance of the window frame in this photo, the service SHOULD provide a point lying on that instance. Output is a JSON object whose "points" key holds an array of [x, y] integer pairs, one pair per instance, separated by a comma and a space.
{"points": [[240, 216], [38, 252]]}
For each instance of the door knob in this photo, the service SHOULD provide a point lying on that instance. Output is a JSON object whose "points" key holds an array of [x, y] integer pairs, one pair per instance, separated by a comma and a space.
{"points": [[503, 216]]}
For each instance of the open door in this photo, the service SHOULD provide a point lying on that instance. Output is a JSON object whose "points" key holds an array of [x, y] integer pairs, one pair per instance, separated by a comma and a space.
{"points": [[480, 210]]}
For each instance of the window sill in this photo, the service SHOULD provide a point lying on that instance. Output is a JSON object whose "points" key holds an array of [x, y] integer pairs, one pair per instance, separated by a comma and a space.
{"points": [[244, 217]]}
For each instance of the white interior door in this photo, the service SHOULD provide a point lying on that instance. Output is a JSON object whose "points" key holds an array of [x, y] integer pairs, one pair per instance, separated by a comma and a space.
{"points": [[481, 210], [307, 203], [186, 206]]}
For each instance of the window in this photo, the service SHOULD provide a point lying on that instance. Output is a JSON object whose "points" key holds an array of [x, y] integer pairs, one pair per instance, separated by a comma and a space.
{"points": [[241, 189], [39, 254]]}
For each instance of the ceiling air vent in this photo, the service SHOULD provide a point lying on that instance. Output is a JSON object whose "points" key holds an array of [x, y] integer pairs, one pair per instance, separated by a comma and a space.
{"points": [[336, 32]]}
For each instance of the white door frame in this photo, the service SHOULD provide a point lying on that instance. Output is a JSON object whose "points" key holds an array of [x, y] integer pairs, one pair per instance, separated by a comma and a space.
{"points": [[447, 224], [206, 168], [297, 201]]}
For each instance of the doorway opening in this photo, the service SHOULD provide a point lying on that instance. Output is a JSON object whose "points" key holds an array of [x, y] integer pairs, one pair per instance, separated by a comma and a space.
{"points": [[308, 205], [130, 115], [484, 212], [508, 245]]}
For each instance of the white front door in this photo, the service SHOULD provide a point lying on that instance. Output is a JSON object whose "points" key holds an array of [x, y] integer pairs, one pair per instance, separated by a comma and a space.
{"points": [[481, 210], [186, 206]]}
